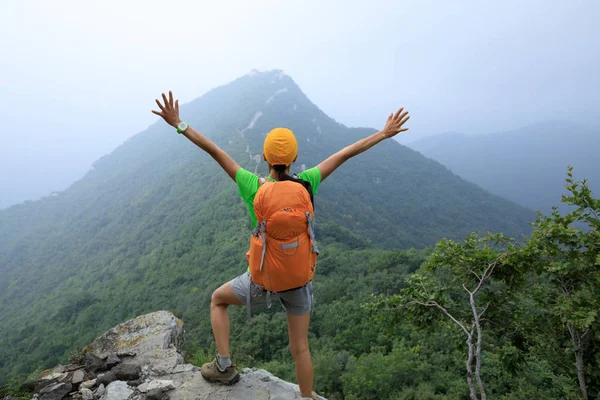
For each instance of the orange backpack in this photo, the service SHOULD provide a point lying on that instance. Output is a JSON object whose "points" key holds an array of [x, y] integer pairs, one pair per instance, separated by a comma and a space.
{"points": [[283, 251]]}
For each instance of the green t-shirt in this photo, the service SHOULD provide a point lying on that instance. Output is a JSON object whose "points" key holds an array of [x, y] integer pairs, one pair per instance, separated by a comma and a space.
{"points": [[248, 186]]}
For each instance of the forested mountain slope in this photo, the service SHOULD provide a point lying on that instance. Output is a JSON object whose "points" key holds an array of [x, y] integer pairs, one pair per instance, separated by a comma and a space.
{"points": [[157, 225], [527, 165]]}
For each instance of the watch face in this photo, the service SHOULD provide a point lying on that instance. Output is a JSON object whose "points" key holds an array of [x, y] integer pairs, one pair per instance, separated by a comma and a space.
{"points": [[182, 126]]}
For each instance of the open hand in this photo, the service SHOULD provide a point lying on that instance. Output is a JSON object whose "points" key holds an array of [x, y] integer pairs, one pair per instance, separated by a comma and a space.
{"points": [[170, 111], [394, 123]]}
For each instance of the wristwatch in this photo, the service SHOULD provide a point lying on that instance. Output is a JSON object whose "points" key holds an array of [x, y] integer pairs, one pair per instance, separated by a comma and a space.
{"points": [[182, 127]]}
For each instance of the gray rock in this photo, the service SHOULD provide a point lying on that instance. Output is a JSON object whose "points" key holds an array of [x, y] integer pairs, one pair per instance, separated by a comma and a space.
{"points": [[253, 385], [72, 367], [112, 360], [93, 363], [106, 378], [78, 376], [99, 391], [88, 384], [164, 385], [57, 376], [184, 368], [56, 391], [90, 376], [143, 387], [157, 394], [155, 338], [37, 385], [146, 372], [156, 366], [127, 372], [86, 394], [117, 390]]}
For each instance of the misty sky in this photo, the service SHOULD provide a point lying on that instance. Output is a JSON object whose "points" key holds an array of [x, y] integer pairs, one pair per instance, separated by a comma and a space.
{"points": [[79, 77]]}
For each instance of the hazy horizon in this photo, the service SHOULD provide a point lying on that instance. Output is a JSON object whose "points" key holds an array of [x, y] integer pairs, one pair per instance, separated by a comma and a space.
{"points": [[88, 73]]}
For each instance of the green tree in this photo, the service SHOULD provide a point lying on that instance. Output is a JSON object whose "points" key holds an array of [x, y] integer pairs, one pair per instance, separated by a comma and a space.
{"points": [[456, 284], [567, 252]]}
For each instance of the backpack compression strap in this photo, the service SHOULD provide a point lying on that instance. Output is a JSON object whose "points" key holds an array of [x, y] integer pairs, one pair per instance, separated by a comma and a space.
{"points": [[311, 232]]}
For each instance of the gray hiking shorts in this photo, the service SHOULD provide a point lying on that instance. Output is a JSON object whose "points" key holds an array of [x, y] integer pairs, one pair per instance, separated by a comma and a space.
{"points": [[295, 302]]}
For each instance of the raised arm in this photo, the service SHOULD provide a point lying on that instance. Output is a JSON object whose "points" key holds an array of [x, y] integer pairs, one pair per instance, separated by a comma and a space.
{"points": [[392, 127], [170, 113]]}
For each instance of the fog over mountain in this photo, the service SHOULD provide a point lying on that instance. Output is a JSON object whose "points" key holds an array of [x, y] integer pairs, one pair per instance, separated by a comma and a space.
{"points": [[79, 78], [527, 166]]}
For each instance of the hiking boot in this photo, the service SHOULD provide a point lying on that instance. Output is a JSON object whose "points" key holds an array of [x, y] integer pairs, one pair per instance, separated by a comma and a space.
{"points": [[211, 373]]}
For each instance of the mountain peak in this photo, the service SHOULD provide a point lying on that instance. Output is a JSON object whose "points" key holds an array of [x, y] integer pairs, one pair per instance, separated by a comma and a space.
{"points": [[253, 104], [251, 90], [272, 73]]}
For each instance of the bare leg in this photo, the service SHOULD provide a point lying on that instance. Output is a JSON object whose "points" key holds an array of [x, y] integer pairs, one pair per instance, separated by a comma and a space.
{"points": [[221, 298], [298, 333]]}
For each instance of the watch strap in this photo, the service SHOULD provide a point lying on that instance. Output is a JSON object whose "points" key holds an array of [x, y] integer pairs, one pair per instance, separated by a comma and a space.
{"points": [[181, 131]]}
